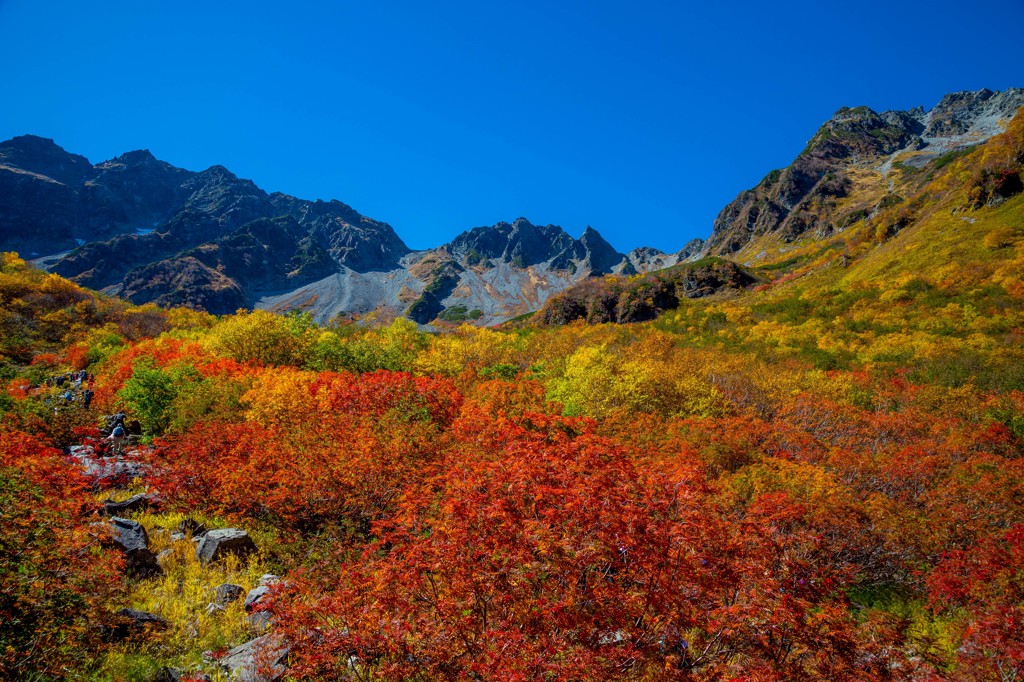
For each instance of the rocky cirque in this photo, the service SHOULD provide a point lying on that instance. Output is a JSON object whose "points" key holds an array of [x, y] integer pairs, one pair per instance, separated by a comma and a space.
{"points": [[143, 229]]}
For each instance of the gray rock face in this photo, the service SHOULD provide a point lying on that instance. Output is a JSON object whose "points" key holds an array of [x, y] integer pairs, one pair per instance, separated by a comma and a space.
{"points": [[503, 271], [523, 244], [259, 660], [646, 259], [217, 544], [135, 211], [261, 621]]}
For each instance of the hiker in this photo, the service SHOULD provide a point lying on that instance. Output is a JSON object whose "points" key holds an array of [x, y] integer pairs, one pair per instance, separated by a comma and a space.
{"points": [[87, 395], [117, 438], [116, 420]]}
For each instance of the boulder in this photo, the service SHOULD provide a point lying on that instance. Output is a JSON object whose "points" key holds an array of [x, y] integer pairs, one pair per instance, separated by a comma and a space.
{"points": [[217, 544], [132, 504], [255, 596], [259, 660], [227, 593], [132, 623], [260, 621], [130, 537], [106, 473]]}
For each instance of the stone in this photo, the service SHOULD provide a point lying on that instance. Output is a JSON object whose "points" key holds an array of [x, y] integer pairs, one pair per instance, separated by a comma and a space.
{"points": [[130, 537], [258, 660], [227, 593], [255, 596], [132, 623], [260, 621], [217, 544], [132, 504], [107, 473]]}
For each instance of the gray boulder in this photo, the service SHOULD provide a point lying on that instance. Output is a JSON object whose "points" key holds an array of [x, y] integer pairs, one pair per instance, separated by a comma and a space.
{"points": [[255, 596], [260, 621], [132, 504], [259, 660], [227, 593], [104, 473], [217, 544], [130, 537]]}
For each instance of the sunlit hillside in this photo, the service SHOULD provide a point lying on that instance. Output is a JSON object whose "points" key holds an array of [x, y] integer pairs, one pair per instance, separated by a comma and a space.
{"points": [[816, 474]]}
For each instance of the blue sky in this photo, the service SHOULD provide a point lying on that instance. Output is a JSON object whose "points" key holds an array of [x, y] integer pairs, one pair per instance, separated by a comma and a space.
{"points": [[642, 119]]}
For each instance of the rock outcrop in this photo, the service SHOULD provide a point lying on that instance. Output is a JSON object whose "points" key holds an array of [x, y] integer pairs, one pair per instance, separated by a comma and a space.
{"points": [[640, 299], [258, 660]]}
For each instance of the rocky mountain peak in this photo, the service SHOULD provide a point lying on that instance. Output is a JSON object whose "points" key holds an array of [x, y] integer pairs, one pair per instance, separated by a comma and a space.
{"points": [[980, 112], [798, 200], [43, 156], [860, 132], [139, 157], [598, 254]]}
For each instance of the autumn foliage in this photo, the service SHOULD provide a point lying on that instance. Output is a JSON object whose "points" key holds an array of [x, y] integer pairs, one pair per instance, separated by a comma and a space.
{"points": [[819, 479]]}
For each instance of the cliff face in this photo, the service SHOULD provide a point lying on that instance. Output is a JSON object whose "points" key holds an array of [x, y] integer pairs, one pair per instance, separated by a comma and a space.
{"points": [[802, 198]]}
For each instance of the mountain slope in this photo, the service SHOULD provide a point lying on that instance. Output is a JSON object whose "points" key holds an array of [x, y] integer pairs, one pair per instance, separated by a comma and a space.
{"points": [[947, 233], [143, 229], [127, 219], [843, 173], [487, 274]]}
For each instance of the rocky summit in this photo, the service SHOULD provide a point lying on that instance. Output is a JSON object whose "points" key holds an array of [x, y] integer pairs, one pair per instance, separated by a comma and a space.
{"points": [[145, 229], [851, 156]]}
